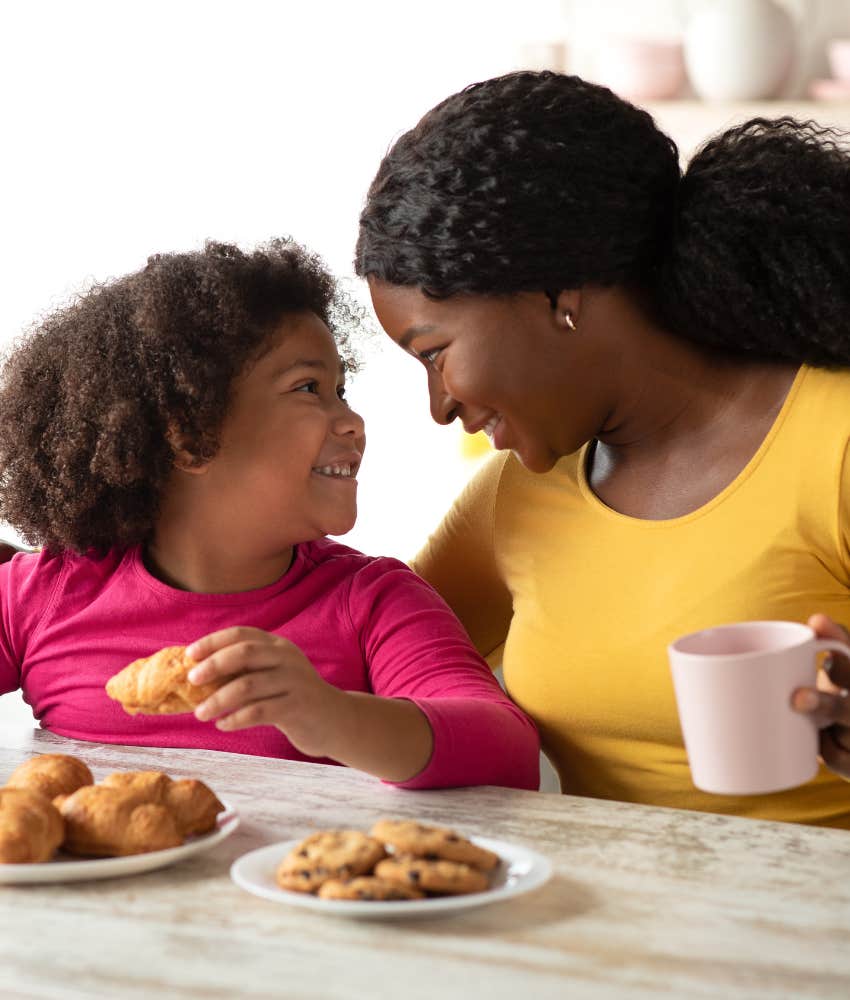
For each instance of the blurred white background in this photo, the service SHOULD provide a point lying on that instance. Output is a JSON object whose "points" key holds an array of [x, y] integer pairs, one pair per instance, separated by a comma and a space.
{"points": [[130, 128]]}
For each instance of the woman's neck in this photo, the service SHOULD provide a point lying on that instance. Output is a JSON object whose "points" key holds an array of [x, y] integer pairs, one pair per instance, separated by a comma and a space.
{"points": [[664, 389]]}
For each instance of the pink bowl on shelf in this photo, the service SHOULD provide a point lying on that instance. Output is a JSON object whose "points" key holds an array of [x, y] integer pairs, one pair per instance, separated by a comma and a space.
{"points": [[838, 54], [640, 69], [829, 90]]}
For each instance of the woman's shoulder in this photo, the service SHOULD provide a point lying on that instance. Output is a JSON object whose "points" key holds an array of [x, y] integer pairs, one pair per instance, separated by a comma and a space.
{"points": [[819, 407], [825, 385]]}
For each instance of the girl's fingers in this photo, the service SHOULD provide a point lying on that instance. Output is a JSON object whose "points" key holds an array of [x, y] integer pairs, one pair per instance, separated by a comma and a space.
{"points": [[257, 713], [208, 644], [240, 655], [244, 690]]}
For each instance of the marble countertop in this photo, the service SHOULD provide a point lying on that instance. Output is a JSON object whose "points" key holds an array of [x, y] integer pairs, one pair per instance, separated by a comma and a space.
{"points": [[644, 902]]}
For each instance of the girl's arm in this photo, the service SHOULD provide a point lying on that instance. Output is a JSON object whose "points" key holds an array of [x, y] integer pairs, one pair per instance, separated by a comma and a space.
{"points": [[436, 716], [272, 682]]}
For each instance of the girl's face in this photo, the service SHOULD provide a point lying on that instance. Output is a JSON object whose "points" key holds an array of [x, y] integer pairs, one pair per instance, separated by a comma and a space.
{"points": [[290, 446], [503, 365]]}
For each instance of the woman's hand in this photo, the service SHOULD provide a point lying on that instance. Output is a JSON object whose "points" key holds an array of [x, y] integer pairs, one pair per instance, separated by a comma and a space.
{"points": [[828, 704], [271, 683]]}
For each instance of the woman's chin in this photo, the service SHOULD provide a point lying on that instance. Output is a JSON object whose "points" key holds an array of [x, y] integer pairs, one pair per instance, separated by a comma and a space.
{"points": [[538, 460]]}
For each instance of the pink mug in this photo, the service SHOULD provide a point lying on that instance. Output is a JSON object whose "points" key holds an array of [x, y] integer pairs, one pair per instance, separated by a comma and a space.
{"points": [[733, 687]]}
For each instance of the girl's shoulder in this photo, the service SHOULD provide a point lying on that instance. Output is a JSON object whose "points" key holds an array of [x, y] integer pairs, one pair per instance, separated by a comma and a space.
{"points": [[345, 560], [42, 575]]}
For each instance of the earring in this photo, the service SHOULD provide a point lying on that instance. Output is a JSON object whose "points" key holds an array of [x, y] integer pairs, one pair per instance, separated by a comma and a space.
{"points": [[568, 319]]}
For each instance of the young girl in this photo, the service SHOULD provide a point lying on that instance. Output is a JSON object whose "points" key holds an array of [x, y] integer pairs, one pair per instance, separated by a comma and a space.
{"points": [[202, 399]]}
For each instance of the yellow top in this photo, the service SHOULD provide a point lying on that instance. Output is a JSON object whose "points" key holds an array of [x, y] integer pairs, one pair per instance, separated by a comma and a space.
{"points": [[586, 600]]}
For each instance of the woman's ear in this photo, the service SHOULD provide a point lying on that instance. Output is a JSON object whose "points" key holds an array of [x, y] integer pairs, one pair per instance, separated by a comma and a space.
{"points": [[184, 460], [567, 309]]}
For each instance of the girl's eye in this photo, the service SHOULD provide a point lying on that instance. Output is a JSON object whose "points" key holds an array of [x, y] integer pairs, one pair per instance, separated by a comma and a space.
{"points": [[430, 356], [340, 391], [312, 386]]}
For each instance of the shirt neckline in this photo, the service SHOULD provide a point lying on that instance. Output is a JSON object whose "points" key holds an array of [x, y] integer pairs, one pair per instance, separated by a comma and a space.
{"points": [[241, 597], [746, 472]]}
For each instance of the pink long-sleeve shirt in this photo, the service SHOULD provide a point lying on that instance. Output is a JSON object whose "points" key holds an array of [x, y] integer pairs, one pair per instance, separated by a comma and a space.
{"points": [[69, 622]]}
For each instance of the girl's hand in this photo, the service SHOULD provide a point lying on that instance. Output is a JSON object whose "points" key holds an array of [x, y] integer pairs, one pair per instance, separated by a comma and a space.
{"points": [[272, 683], [828, 704]]}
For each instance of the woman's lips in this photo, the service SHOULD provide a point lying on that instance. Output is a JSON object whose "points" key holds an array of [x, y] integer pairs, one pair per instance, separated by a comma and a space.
{"points": [[494, 429]]}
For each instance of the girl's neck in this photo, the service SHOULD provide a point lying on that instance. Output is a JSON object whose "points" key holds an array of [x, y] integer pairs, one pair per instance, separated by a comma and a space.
{"points": [[205, 572], [212, 564]]}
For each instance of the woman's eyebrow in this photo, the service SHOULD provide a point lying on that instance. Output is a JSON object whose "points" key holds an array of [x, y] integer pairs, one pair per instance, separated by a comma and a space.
{"points": [[414, 331]]}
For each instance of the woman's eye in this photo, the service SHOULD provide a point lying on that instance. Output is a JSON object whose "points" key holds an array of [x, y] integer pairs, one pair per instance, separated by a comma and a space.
{"points": [[430, 356], [340, 391], [311, 386]]}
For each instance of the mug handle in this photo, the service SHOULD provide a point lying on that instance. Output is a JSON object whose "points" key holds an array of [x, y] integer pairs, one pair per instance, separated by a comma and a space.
{"points": [[832, 646]]}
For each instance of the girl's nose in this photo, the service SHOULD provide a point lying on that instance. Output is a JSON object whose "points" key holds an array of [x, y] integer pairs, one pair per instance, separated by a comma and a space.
{"points": [[348, 421]]}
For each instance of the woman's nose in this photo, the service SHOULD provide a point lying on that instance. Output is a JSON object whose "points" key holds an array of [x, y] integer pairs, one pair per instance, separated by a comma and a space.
{"points": [[444, 408]]}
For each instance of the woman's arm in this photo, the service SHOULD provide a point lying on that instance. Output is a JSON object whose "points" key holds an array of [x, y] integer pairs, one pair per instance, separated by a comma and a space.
{"points": [[459, 561]]}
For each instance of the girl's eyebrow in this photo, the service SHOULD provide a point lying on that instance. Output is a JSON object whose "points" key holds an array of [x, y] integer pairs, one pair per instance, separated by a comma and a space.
{"points": [[306, 363]]}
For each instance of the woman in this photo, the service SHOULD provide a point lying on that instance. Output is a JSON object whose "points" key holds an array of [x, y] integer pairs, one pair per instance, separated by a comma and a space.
{"points": [[662, 361]]}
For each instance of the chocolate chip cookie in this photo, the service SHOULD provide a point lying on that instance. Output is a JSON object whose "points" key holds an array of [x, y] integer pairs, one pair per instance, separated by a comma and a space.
{"points": [[328, 854], [448, 878], [433, 842], [367, 887]]}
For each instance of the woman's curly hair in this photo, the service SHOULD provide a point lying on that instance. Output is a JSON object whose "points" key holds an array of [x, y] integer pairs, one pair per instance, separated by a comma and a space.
{"points": [[92, 397], [540, 181]]}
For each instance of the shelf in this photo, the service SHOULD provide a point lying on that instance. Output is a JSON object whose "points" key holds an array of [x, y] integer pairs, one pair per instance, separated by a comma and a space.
{"points": [[691, 122]]}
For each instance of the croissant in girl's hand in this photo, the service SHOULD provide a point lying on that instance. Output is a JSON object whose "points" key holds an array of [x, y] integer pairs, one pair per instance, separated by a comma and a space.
{"points": [[159, 684]]}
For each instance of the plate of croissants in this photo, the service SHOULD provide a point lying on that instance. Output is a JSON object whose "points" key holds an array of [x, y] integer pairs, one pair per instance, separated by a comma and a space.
{"points": [[58, 825]]}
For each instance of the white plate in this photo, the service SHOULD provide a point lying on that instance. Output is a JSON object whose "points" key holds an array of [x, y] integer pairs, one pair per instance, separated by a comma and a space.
{"points": [[521, 870], [73, 869]]}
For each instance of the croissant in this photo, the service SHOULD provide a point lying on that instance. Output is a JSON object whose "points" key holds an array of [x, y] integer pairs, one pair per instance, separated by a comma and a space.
{"points": [[158, 684], [108, 822], [193, 804], [31, 829], [51, 774]]}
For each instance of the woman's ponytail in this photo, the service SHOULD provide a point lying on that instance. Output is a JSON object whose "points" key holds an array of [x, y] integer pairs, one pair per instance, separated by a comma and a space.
{"points": [[759, 255]]}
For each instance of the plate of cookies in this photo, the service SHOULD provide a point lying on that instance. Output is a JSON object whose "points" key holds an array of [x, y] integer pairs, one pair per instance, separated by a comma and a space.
{"points": [[400, 868], [58, 825]]}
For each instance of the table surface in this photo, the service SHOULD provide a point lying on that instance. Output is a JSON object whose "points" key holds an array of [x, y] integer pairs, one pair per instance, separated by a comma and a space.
{"points": [[644, 902]]}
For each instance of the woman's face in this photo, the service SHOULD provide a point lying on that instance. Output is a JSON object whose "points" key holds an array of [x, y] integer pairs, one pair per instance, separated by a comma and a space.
{"points": [[504, 365]]}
